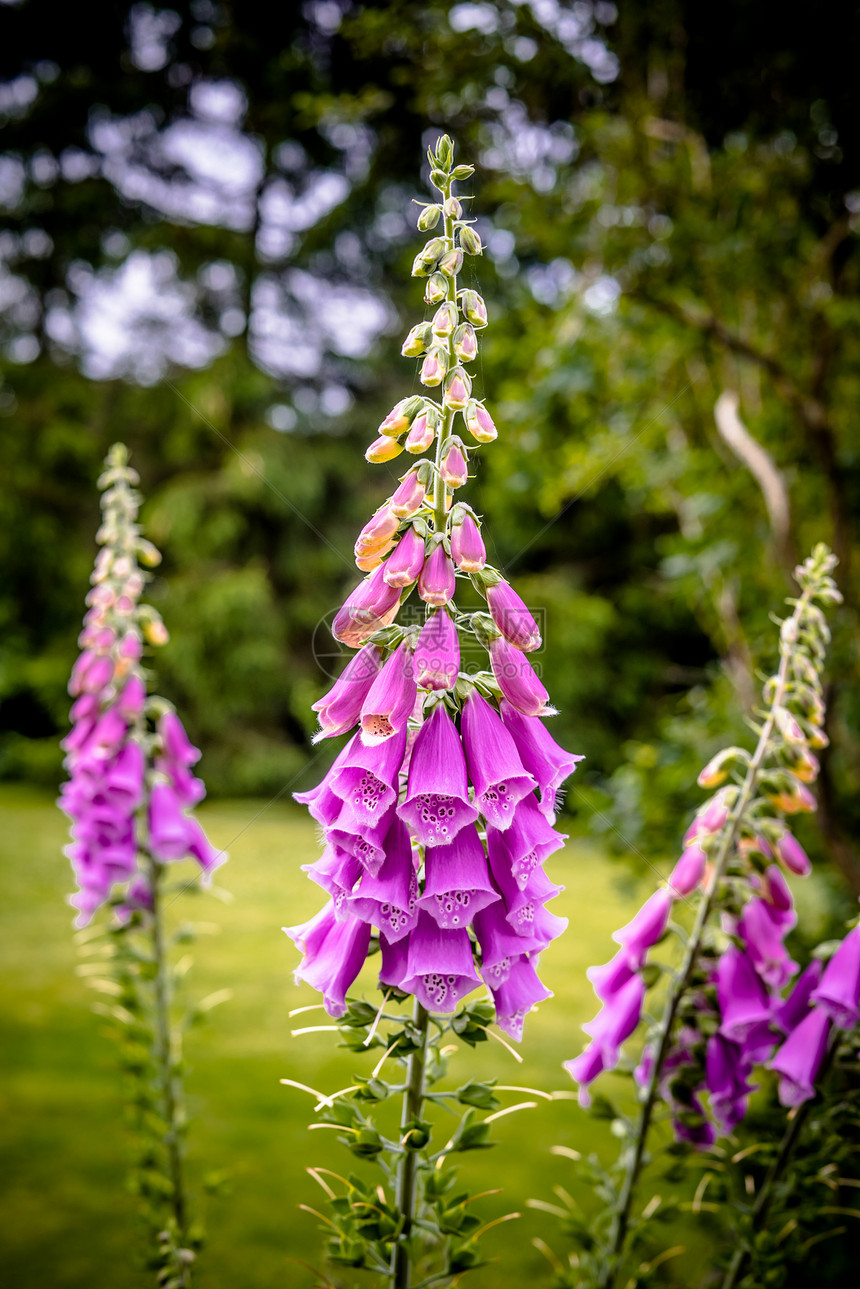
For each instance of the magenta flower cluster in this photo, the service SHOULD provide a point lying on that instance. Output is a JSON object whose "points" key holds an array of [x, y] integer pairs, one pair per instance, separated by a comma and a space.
{"points": [[438, 812], [129, 787]]}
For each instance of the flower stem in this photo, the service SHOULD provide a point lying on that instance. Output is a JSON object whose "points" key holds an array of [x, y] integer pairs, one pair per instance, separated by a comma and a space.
{"points": [[786, 1150], [166, 1062], [682, 979], [413, 1104], [440, 511]]}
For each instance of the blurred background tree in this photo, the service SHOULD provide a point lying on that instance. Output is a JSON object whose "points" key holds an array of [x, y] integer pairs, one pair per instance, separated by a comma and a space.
{"points": [[205, 251]]}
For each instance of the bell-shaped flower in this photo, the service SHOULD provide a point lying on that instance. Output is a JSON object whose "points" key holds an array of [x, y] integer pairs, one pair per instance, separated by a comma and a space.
{"points": [[337, 872], [495, 769], [516, 995], [687, 874], [540, 754], [518, 680], [169, 831], [91, 673], [324, 804], [389, 898], [726, 1079], [584, 1069], [371, 605], [763, 939], [339, 709], [799, 1059], [791, 1012], [406, 560], [131, 699], [527, 842], [366, 845], [439, 965], [467, 545], [500, 944], [617, 1019], [333, 953], [377, 532], [741, 995], [437, 802], [606, 980], [437, 583], [390, 699], [790, 853], [838, 992], [646, 928], [513, 617], [200, 848], [367, 781], [457, 881], [123, 785], [437, 654]]}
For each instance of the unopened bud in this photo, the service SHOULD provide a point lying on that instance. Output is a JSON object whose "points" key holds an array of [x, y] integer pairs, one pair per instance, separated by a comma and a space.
{"points": [[155, 632], [445, 151], [452, 208], [467, 546], [479, 423], [436, 583], [410, 494], [377, 531], [425, 261], [429, 218], [458, 387], [472, 305], [451, 262], [717, 769], [788, 726], [147, 553], [438, 178], [423, 432], [688, 872], [396, 421], [470, 241], [367, 563], [790, 853], [417, 341], [434, 367], [445, 319], [466, 342], [453, 467], [436, 288], [462, 172], [385, 448]]}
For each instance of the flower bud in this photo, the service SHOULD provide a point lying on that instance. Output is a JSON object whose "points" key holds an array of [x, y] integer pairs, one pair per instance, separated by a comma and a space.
{"points": [[717, 769], [788, 726], [382, 449], [479, 423], [437, 654], [371, 605], [377, 532], [459, 173], [458, 387], [436, 584], [409, 495], [155, 632], [467, 547], [688, 872], [452, 208], [445, 319], [790, 853], [453, 467], [470, 241], [148, 554], [429, 218], [451, 262], [436, 288], [472, 305], [466, 342], [423, 432], [417, 341], [425, 261], [407, 561], [370, 560], [434, 367], [517, 679], [512, 616], [445, 151]]}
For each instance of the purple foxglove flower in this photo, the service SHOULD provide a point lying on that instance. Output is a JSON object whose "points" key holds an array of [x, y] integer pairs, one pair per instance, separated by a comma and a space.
{"points": [[333, 954], [169, 828], [513, 617], [516, 995], [131, 699], [700, 1133], [688, 872], [799, 1059], [525, 908], [759, 1043], [106, 738], [85, 708], [790, 1013], [762, 936], [838, 993], [367, 781], [325, 805], [390, 699], [479, 423], [410, 493], [91, 673], [436, 583], [617, 1020], [453, 467], [790, 852], [188, 788], [371, 605], [495, 769], [337, 873], [437, 802], [124, 778], [710, 818], [646, 928], [397, 419], [339, 709], [406, 560], [137, 899], [439, 966], [743, 1001], [467, 546], [389, 899], [528, 842], [367, 846], [612, 976], [393, 968], [518, 680], [437, 654], [584, 1069], [457, 881], [175, 741], [726, 1075], [201, 849], [500, 943], [540, 755], [377, 532]]}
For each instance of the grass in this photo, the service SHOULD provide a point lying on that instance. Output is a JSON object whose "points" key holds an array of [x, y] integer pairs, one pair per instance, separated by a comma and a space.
{"points": [[67, 1221]]}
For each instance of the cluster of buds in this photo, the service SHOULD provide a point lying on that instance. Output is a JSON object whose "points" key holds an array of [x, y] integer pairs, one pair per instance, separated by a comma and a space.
{"points": [[731, 1009], [129, 785], [438, 813]]}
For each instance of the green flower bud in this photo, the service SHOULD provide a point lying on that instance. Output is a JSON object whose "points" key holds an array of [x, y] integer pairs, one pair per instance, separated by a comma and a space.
{"points": [[445, 151], [429, 218], [438, 179], [425, 261], [462, 172], [451, 262], [445, 319], [470, 241], [474, 308], [436, 288], [452, 208], [417, 341]]}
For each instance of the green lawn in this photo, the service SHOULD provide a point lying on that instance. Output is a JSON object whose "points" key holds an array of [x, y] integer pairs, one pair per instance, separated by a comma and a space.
{"points": [[66, 1219]]}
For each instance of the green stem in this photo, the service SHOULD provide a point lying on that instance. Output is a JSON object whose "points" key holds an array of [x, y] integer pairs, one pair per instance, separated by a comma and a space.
{"points": [[682, 980], [440, 511], [413, 1104], [166, 1060], [766, 1191]]}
